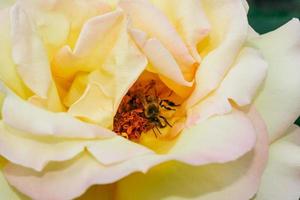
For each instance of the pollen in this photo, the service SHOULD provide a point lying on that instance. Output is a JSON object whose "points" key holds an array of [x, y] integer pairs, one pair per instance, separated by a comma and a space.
{"points": [[141, 110]]}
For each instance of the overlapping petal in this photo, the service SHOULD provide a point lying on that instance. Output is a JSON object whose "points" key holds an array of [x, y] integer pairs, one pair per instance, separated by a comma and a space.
{"points": [[197, 146], [225, 41], [234, 180], [281, 179], [279, 100], [8, 72], [240, 85], [29, 53], [24, 116]]}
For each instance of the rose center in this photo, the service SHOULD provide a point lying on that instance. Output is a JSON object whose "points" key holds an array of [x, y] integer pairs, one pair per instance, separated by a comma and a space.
{"points": [[144, 109]]}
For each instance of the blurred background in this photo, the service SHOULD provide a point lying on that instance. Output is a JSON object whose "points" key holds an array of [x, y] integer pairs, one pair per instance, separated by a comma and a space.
{"points": [[267, 15]]}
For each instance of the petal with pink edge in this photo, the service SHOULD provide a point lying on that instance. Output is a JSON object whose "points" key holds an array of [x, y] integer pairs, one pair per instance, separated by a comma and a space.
{"points": [[281, 179], [235, 180], [7, 191], [70, 179], [279, 100]]}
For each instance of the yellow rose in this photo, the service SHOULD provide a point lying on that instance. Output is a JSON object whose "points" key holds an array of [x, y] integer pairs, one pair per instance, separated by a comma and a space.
{"points": [[146, 100]]}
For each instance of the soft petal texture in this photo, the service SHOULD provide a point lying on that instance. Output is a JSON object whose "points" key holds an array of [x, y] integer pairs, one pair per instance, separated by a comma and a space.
{"points": [[144, 16], [234, 180], [240, 85], [197, 146], [8, 72], [106, 192], [24, 116], [182, 15], [200, 139], [7, 191], [34, 153], [94, 44], [94, 106], [226, 39], [281, 179], [279, 100], [29, 53]]}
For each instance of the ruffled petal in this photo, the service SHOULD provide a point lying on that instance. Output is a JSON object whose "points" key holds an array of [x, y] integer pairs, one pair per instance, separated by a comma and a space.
{"points": [[29, 53], [146, 17], [24, 116], [281, 178], [240, 85], [34, 153], [279, 100], [235, 180], [224, 43], [65, 180]]}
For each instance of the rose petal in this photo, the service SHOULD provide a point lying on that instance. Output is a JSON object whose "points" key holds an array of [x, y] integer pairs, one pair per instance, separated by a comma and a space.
{"points": [[24, 116], [106, 192], [235, 180], [7, 192], [149, 19], [29, 53], [31, 152], [279, 100], [95, 41], [240, 85], [226, 38], [65, 180], [208, 141], [94, 106], [8, 72], [282, 169], [188, 17]]}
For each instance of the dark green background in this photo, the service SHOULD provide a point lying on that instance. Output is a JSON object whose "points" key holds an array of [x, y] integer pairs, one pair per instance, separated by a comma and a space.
{"points": [[267, 15]]}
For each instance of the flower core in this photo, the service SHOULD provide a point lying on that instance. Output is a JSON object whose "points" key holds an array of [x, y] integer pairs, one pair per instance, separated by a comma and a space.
{"points": [[142, 109]]}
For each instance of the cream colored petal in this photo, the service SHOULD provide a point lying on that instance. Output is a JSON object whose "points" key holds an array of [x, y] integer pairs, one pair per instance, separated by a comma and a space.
{"points": [[279, 100], [281, 179], [94, 44], [33, 153], [163, 62], [116, 150], [29, 53], [8, 72], [146, 17], [224, 43], [240, 85], [70, 179], [7, 191], [219, 139], [189, 19], [237, 180], [66, 180], [94, 106], [24, 116]]}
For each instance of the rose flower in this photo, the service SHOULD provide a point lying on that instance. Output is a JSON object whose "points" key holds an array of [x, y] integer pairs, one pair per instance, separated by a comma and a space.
{"points": [[146, 100]]}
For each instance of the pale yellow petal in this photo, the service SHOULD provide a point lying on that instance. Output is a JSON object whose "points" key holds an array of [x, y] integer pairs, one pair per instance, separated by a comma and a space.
{"points": [[281, 179], [240, 85], [29, 53], [279, 100], [229, 29], [8, 72]]}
